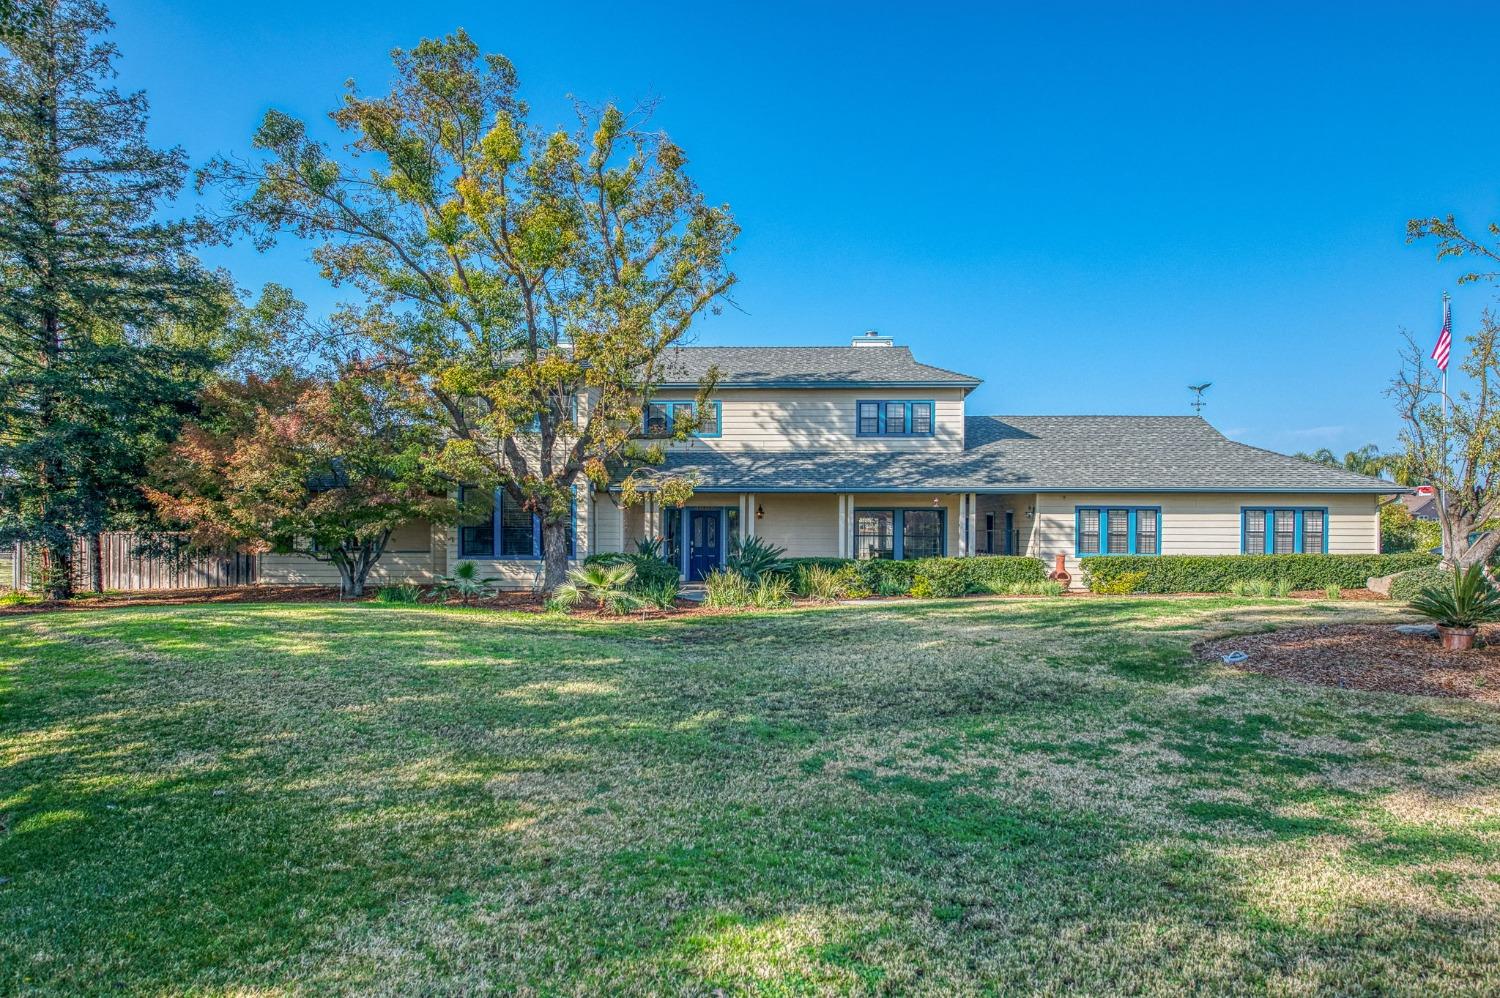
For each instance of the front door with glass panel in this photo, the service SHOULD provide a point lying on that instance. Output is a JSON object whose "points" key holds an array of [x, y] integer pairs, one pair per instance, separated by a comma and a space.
{"points": [[705, 541]]}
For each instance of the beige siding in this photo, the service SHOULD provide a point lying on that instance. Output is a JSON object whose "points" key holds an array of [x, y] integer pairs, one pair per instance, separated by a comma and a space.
{"points": [[807, 526], [608, 520], [407, 558], [1207, 523], [527, 573], [823, 420]]}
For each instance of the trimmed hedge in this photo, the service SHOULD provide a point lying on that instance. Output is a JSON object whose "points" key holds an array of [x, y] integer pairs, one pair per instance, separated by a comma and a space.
{"points": [[934, 576], [1408, 584], [1192, 573]]}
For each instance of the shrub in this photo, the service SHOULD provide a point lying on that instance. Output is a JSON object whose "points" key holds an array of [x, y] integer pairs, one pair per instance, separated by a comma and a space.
{"points": [[1119, 585], [1047, 587], [727, 589], [466, 583], [1464, 599], [887, 577], [1408, 584], [753, 558], [661, 595], [1216, 573], [1333, 592], [606, 586], [818, 582], [406, 592], [996, 573], [942, 577], [771, 591]]}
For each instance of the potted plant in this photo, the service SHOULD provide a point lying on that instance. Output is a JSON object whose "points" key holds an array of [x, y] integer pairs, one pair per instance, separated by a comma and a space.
{"points": [[1460, 609]]}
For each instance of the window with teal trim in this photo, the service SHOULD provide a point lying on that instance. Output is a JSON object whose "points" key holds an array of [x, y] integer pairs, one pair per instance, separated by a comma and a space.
{"points": [[1117, 530], [893, 419], [1284, 530], [662, 418]]}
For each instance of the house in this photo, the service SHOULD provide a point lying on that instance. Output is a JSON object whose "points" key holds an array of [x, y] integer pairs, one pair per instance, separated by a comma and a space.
{"points": [[1422, 503], [862, 451]]}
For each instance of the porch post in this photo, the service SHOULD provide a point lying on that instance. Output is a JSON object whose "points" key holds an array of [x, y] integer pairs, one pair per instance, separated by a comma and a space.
{"points": [[973, 523], [963, 524], [750, 519], [838, 544], [744, 524]]}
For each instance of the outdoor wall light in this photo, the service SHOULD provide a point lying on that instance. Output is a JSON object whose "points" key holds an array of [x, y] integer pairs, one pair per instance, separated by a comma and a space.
{"points": [[760, 512]]}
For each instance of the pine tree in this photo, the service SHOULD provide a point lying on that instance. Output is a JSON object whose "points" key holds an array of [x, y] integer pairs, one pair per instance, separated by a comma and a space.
{"points": [[91, 276]]}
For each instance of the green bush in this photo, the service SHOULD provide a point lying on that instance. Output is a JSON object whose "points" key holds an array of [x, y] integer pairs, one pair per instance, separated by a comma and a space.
{"points": [[651, 572], [886, 577], [771, 591], [942, 577], [1408, 584], [1120, 585], [726, 589], [825, 584], [661, 595], [1047, 587], [406, 592], [1190, 573]]}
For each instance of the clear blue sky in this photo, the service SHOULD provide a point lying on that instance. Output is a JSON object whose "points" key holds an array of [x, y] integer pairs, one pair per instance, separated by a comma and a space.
{"points": [[1088, 208]]}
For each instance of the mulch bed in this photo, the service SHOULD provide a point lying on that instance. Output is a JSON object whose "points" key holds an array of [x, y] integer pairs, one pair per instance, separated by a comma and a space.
{"points": [[1369, 657]]}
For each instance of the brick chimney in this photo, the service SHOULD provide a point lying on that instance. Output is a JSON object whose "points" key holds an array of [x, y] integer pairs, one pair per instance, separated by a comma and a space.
{"points": [[872, 338]]}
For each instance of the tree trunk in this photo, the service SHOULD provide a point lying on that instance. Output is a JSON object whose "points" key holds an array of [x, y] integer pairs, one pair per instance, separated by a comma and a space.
{"points": [[57, 568], [554, 553], [96, 561]]}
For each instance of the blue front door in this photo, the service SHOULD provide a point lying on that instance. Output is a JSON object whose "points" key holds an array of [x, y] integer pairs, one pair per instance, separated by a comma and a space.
{"points": [[705, 541]]}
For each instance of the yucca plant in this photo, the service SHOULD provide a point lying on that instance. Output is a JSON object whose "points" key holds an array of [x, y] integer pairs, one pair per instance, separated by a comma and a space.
{"points": [[752, 558], [1464, 605], [466, 583], [606, 586]]}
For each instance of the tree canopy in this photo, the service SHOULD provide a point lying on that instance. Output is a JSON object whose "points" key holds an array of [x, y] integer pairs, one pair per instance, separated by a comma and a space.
{"points": [[522, 288]]}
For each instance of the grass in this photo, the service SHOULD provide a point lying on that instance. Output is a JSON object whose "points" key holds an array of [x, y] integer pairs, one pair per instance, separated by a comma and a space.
{"points": [[1000, 796]]}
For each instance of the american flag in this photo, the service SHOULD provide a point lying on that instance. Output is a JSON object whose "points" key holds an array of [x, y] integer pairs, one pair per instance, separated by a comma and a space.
{"points": [[1445, 338]]}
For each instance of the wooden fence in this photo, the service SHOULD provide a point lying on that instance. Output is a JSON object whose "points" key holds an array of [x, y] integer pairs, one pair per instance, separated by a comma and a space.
{"points": [[123, 568]]}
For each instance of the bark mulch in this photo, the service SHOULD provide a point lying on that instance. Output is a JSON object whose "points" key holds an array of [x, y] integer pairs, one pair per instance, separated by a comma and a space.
{"points": [[1369, 657]]}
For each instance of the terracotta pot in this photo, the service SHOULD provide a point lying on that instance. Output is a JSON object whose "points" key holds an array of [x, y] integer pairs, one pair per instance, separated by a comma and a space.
{"points": [[1457, 638], [1059, 572]]}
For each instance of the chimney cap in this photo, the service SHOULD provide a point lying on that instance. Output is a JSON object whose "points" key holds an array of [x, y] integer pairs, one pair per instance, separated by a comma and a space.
{"points": [[872, 338]]}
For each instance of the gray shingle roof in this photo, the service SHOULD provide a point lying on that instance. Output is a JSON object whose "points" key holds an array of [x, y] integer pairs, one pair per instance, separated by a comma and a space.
{"points": [[1036, 454], [760, 367]]}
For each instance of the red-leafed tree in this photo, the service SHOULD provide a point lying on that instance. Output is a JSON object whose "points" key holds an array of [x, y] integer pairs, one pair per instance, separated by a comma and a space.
{"points": [[323, 466]]}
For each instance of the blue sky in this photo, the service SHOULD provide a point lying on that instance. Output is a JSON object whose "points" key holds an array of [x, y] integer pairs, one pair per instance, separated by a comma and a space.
{"points": [[1088, 207]]}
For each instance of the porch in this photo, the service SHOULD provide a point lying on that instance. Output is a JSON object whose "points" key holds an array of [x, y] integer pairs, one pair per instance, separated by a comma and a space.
{"points": [[900, 525]]}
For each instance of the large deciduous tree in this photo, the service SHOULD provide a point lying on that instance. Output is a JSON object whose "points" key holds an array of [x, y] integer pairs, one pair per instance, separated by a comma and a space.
{"points": [[322, 465], [1454, 444], [525, 286], [91, 275]]}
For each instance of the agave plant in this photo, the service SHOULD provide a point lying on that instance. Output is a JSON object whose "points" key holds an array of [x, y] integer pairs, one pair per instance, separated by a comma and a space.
{"points": [[649, 547], [606, 586], [752, 558], [1468, 602], [466, 583]]}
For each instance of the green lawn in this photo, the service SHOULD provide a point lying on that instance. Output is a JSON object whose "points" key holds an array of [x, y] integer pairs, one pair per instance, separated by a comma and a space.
{"points": [[981, 796]]}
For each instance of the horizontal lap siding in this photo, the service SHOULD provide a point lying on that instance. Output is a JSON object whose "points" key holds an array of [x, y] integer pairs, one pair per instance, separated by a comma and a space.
{"points": [[300, 570], [805, 525], [1208, 523], [817, 420]]}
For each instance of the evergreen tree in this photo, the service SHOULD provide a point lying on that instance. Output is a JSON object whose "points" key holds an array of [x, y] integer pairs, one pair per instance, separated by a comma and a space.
{"points": [[92, 277]]}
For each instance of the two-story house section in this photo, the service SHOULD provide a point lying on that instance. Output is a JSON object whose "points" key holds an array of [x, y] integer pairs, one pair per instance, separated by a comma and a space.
{"points": [[863, 451]]}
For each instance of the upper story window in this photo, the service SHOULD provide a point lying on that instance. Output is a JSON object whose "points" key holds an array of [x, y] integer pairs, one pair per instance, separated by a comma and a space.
{"points": [[893, 419], [661, 417], [493, 525], [1286, 530], [535, 426], [1117, 530]]}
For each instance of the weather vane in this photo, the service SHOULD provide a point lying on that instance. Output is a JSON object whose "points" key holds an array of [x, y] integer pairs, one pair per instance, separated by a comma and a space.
{"points": [[1198, 391]]}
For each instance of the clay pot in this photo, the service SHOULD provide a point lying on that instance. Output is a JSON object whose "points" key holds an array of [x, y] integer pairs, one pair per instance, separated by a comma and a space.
{"points": [[1059, 571], [1457, 638]]}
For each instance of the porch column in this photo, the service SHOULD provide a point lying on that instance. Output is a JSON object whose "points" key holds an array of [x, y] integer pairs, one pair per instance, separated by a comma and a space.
{"points": [[742, 532], [973, 523], [849, 548], [750, 519], [963, 524]]}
